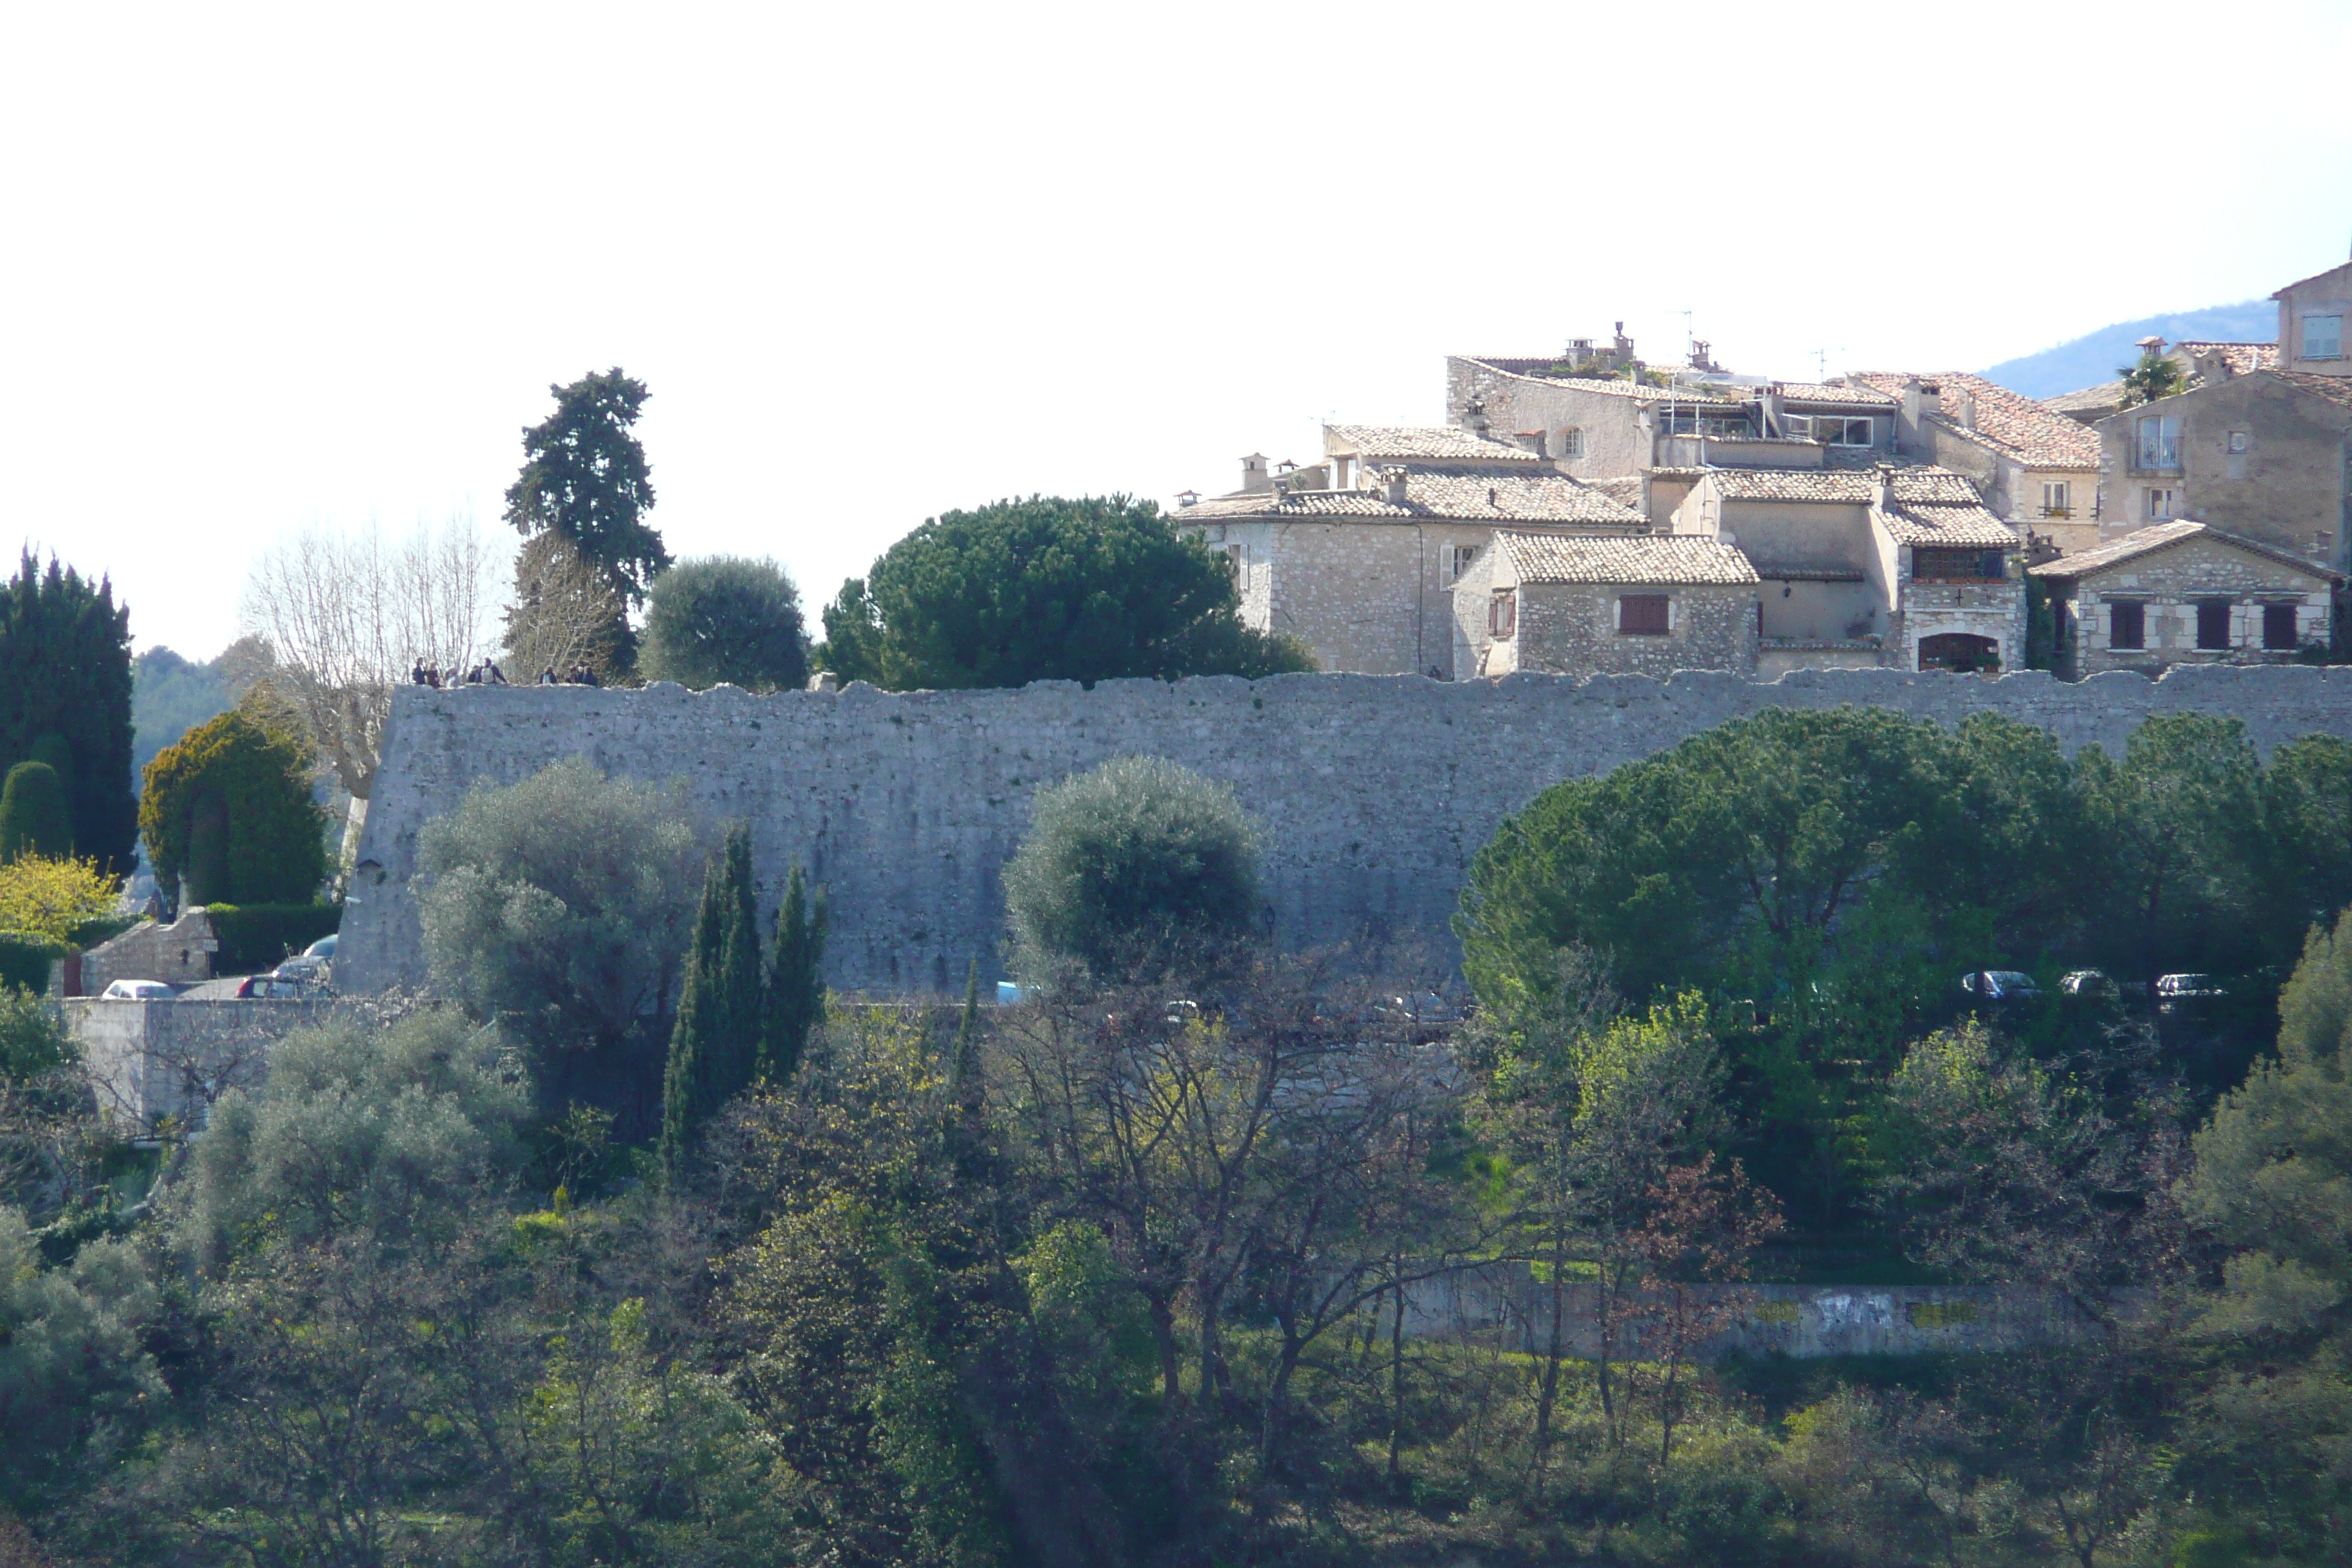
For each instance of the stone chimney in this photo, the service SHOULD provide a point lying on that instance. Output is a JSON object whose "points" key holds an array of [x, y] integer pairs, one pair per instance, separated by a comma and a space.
{"points": [[1921, 399], [1623, 345], [1961, 410], [1255, 479], [1883, 487], [1395, 477]]}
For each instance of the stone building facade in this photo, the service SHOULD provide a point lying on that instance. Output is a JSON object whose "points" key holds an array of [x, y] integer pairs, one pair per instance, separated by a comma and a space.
{"points": [[2266, 456], [2183, 593], [1358, 555], [1612, 606], [2313, 315], [2032, 467]]}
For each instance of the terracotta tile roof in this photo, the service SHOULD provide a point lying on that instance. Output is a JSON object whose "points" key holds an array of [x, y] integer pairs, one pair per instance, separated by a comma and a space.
{"points": [[1438, 441], [1820, 392], [2335, 388], [1955, 527], [1541, 369], [1625, 490], [2009, 422], [1921, 485], [1666, 559], [2104, 398], [2315, 277], [2161, 536], [2239, 357], [1457, 495]]}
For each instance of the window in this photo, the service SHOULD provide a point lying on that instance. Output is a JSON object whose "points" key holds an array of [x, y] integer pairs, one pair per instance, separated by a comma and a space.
{"points": [[1457, 560], [2240, 441], [1571, 443], [1831, 429], [2054, 502], [1644, 615], [1503, 614], [2163, 504], [2278, 626], [2159, 441], [2323, 337], [1959, 565], [2128, 626], [2212, 623], [1237, 565]]}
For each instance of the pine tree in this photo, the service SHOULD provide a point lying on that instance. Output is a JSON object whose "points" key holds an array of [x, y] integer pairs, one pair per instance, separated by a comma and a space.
{"points": [[795, 997], [714, 1046]]}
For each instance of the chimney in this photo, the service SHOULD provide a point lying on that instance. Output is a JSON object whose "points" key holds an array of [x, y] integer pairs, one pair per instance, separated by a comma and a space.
{"points": [[1624, 344], [1254, 475], [1885, 488], [1921, 400], [1188, 497], [1963, 411], [1395, 477]]}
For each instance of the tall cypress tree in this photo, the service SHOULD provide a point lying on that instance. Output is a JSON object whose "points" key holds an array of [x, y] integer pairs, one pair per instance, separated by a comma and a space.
{"points": [[64, 700], [714, 1047], [795, 997]]}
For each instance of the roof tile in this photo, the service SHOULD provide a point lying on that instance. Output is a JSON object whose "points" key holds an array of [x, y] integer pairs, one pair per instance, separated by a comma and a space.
{"points": [[2162, 536], [1666, 559], [2009, 422]]}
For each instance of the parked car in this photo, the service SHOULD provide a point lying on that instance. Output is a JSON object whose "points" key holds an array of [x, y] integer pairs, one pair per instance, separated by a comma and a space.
{"points": [[303, 971], [137, 991], [1008, 995], [2089, 983], [322, 948], [2000, 984], [2172, 990], [269, 987]]}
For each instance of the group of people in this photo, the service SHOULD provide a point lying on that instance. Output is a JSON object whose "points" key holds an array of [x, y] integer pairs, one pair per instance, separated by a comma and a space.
{"points": [[488, 673]]}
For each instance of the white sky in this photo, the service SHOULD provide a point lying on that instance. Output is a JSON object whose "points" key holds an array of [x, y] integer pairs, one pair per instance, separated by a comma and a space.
{"points": [[262, 267]]}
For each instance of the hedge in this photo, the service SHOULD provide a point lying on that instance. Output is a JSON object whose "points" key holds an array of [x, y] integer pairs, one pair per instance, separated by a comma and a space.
{"points": [[25, 959], [255, 937]]}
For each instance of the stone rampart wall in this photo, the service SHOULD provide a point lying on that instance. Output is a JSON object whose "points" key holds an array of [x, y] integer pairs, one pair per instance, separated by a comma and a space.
{"points": [[1371, 793]]}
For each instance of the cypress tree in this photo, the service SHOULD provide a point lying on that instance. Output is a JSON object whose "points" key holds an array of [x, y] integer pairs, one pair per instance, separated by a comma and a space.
{"points": [[795, 999], [33, 816], [714, 1046], [64, 700]]}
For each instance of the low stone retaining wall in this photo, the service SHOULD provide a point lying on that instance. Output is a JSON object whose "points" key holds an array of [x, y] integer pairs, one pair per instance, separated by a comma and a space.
{"points": [[147, 1061]]}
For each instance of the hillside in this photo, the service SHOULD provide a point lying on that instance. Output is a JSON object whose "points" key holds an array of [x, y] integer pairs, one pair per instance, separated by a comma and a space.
{"points": [[2092, 358]]}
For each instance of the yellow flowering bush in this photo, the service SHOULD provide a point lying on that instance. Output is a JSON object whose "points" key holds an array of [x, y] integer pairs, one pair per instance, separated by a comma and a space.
{"points": [[48, 897]]}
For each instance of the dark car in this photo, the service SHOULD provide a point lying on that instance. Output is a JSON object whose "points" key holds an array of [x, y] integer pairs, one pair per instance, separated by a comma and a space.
{"points": [[2001, 986]]}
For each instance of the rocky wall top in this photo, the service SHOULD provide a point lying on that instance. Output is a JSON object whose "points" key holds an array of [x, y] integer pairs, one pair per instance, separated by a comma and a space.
{"points": [[1371, 793]]}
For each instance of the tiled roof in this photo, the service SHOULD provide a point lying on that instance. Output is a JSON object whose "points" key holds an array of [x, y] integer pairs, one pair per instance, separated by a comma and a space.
{"points": [[2335, 388], [1666, 559], [1820, 392], [2009, 422], [2314, 278], [1461, 495], [1921, 485], [2161, 536], [1541, 369], [1438, 441], [1952, 527], [2239, 357], [2105, 397], [1625, 490]]}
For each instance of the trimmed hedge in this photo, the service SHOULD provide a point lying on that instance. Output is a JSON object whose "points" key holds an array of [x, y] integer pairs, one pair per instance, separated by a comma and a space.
{"points": [[255, 937], [25, 959]]}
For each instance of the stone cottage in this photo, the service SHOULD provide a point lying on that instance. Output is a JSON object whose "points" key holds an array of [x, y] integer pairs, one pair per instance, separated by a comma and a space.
{"points": [[2034, 468], [1616, 606], [2184, 593], [1358, 555]]}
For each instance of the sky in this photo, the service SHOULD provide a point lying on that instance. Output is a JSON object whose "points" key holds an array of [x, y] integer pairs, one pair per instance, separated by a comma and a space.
{"points": [[267, 269]]}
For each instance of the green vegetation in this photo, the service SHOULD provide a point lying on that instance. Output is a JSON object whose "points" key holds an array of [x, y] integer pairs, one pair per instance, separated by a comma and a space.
{"points": [[171, 695], [1045, 589], [725, 619], [714, 1049], [1136, 862], [257, 937], [228, 814], [64, 700], [585, 478], [2149, 377], [34, 819]]}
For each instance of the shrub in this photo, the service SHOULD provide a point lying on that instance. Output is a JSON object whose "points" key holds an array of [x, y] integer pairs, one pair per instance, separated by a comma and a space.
{"points": [[255, 937], [56, 900], [72, 1366], [560, 906], [1126, 862], [34, 818], [725, 619], [26, 957], [228, 816]]}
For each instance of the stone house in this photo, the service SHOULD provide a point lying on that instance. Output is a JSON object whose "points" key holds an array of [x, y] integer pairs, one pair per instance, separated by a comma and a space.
{"points": [[2033, 466], [1901, 568], [1615, 607], [2313, 314], [1358, 555], [2200, 362], [2183, 593], [2263, 455]]}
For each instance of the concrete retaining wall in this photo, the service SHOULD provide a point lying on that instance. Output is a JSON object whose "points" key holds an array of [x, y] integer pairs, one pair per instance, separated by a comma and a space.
{"points": [[1373, 792]]}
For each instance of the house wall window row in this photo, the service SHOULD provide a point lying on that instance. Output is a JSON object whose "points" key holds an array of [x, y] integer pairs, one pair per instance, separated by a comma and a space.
{"points": [[1833, 429]]}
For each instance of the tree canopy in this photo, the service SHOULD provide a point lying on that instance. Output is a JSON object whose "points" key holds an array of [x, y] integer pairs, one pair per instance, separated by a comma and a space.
{"points": [[1046, 589], [725, 619], [229, 817], [65, 699], [584, 476]]}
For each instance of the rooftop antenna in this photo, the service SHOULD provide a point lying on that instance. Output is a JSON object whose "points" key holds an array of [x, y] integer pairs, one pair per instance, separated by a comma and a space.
{"points": [[1820, 364]]}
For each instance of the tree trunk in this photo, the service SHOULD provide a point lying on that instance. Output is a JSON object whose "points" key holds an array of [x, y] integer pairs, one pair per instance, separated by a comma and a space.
{"points": [[1553, 1347], [1396, 1391]]}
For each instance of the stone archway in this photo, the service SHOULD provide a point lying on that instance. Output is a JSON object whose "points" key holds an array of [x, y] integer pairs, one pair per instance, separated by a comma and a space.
{"points": [[1962, 651]]}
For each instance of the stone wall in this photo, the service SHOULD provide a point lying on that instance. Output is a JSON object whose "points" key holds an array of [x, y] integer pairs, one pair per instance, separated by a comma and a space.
{"points": [[1372, 793], [2287, 487], [150, 1059], [1567, 628], [2169, 583], [180, 954]]}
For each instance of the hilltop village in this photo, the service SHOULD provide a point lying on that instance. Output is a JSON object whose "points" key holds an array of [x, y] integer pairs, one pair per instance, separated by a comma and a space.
{"points": [[1591, 513]]}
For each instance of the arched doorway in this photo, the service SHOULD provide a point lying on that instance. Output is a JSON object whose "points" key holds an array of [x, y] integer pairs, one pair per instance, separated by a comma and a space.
{"points": [[1961, 651]]}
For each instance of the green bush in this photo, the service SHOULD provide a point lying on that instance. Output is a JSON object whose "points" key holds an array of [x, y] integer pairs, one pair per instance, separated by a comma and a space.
{"points": [[255, 937], [1126, 861], [25, 959], [228, 816], [34, 819], [725, 619]]}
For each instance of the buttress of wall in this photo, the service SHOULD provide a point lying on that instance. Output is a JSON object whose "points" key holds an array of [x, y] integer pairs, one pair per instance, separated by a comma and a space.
{"points": [[1373, 794]]}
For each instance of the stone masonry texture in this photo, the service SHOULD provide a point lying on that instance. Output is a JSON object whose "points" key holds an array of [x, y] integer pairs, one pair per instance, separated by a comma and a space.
{"points": [[1371, 793]]}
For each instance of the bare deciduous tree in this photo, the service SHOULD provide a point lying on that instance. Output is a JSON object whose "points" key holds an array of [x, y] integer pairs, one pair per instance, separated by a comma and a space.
{"points": [[563, 613], [346, 616]]}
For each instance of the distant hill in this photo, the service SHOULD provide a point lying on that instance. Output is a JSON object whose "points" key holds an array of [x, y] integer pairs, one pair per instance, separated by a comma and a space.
{"points": [[2092, 358]]}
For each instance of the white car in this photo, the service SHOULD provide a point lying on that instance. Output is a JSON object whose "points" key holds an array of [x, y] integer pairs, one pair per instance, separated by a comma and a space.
{"points": [[138, 991]]}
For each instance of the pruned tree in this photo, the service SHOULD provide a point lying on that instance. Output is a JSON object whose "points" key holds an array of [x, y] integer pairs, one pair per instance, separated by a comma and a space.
{"points": [[562, 615], [346, 616]]}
